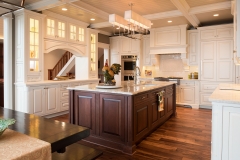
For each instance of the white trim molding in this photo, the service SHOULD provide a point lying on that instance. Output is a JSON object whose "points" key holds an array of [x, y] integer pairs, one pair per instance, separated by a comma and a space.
{"points": [[163, 15], [101, 25], [8, 63]]}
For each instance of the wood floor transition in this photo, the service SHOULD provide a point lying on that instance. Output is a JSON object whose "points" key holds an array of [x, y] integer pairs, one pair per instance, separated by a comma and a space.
{"points": [[185, 137]]}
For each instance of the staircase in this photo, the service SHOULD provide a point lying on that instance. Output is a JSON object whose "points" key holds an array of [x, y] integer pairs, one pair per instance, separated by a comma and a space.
{"points": [[52, 73]]}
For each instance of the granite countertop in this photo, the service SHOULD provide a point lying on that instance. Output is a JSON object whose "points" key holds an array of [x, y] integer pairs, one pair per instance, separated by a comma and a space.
{"points": [[123, 89], [226, 93], [189, 79]]}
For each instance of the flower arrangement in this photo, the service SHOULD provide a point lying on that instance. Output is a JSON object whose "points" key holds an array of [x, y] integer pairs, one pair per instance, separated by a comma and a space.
{"points": [[109, 72]]}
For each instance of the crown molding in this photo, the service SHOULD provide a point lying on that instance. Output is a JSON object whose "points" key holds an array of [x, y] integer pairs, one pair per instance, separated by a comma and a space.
{"points": [[163, 15], [101, 25], [210, 8], [184, 8]]}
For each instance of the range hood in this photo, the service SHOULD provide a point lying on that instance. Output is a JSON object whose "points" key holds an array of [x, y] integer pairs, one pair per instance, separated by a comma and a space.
{"points": [[169, 40]]}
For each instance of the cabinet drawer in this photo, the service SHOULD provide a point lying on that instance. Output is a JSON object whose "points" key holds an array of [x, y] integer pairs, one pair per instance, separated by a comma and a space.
{"points": [[207, 87], [169, 90], [75, 84], [64, 94], [63, 87], [140, 98], [64, 105], [204, 99], [188, 83]]}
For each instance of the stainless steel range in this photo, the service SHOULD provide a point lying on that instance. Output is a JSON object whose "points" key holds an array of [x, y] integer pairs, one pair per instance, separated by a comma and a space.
{"points": [[168, 79]]}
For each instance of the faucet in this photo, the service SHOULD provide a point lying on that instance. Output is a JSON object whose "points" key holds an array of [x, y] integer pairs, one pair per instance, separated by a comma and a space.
{"points": [[137, 72]]}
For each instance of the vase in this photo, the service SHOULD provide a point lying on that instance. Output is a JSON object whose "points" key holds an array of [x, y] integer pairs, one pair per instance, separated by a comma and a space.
{"points": [[109, 81]]}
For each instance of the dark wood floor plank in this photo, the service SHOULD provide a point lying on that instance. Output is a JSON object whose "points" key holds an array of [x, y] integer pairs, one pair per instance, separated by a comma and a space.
{"points": [[185, 137]]}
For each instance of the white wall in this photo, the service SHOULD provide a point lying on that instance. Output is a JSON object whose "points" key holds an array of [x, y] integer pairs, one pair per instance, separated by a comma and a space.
{"points": [[51, 59], [1, 28]]}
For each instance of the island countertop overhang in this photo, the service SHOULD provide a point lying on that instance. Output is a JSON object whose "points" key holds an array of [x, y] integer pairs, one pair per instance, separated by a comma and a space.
{"points": [[123, 89]]}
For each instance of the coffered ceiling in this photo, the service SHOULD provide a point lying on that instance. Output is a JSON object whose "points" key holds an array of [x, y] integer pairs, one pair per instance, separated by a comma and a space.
{"points": [[193, 12]]}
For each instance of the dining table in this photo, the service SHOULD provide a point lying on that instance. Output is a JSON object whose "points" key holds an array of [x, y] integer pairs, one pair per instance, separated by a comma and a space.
{"points": [[62, 136]]}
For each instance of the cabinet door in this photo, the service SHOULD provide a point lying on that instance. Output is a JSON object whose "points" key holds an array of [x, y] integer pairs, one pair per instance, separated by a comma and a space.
{"points": [[237, 80], [155, 114], [114, 45], [112, 117], [140, 120], [84, 103], [72, 33], [146, 51], [225, 69], [125, 45], [168, 103], [193, 48], [187, 95], [208, 34], [51, 99], [135, 46], [61, 30], [225, 33], [208, 61], [38, 100], [50, 28]]}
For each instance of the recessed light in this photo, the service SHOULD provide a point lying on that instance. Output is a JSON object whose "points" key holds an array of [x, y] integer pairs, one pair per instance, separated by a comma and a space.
{"points": [[64, 9], [169, 21], [215, 15], [92, 19]]}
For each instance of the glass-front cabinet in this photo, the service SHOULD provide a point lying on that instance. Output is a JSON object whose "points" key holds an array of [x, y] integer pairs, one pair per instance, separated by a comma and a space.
{"points": [[76, 33], [34, 45], [55, 29], [93, 53]]}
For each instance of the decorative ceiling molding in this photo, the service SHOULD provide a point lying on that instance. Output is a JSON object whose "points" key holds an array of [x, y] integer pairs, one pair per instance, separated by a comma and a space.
{"points": [[210, 7], [163, 15], [184, 8], [100, 25], [92, 10], [47, 4]]}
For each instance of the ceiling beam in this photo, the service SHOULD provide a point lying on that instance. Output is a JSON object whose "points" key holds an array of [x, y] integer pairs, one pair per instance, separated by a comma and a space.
{"points": [[101, 25], [184, 8], [163, 15], [210, 7], [90, 9], [47, 4]]}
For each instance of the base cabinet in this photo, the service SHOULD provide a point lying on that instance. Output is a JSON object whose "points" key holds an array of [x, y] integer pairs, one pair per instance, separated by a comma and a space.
{"points": [[225, 131], [120, 121]]}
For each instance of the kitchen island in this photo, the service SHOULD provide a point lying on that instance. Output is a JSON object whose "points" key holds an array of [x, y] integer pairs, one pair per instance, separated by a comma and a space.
{"points": [[120, 118]]}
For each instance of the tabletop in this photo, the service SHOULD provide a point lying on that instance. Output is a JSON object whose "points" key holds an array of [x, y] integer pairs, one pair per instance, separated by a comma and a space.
{"points": [[58, 134]]}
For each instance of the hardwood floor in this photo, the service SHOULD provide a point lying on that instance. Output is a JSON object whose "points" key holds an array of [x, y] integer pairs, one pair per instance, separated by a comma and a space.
{"points": [[185, 137]]}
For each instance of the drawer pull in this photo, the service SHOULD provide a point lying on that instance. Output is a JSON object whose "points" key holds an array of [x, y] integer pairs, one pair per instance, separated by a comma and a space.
{"points": [[143, 97]]}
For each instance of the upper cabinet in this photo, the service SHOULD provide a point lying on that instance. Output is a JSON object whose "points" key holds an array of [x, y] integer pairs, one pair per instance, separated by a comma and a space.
{"points": [[148, 59], [212, 34], [125, 45], [55, 29], [76, 33], [193, 47]]}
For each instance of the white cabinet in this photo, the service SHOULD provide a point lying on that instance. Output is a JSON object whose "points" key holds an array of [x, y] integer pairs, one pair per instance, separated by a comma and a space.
{"points": [[225, 131], [206, 89], [29, 44], [237, 79], [193, 51], [148, 59], [44, 99], [76, 33], [55, 29], [93, 53], [217, 60], [187, 94], [211, 34], [125, 45]]}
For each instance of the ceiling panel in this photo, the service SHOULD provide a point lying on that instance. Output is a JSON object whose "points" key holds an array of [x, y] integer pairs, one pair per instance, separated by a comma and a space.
{"points": [[18, 2], [195, 3], [76, 13], [225, 16], [156, 23], [141, 7]]}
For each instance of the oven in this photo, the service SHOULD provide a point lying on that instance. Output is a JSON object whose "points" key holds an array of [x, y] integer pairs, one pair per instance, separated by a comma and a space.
{"points": [[129, 63]]}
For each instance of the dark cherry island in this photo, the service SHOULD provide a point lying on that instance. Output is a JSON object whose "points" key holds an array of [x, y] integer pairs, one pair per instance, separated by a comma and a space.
{"points": [[120, 118]]}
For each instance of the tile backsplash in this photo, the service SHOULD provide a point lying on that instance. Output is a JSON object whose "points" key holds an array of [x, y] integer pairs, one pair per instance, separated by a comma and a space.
{"points": [[171, 65]]}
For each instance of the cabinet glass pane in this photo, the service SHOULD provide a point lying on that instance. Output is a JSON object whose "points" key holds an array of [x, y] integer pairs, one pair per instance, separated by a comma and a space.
{"points": [[93, 52], [73, 32], [34, 44], [81, 34], [50, 27], [61, 29], [34, 66]]}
